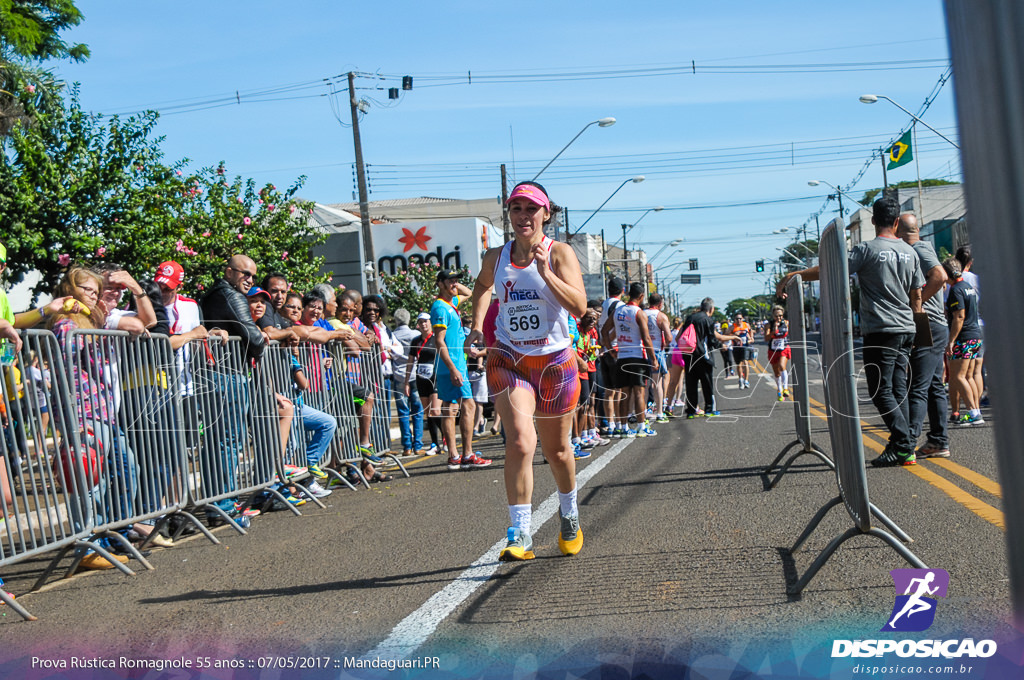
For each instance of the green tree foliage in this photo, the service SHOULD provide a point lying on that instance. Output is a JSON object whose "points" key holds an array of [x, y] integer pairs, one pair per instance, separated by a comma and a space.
{"points": [[30, 30], [762, 306], [219, 218], [746, 306], [82, 189], [871, 194], [415, 288]]}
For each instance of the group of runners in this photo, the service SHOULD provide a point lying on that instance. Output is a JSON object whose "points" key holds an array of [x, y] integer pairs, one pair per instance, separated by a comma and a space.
{"points": [[739, 354]]}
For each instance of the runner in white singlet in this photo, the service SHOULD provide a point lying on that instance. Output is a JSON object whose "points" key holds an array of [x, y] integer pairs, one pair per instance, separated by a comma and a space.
{"points": [[636, 360], [532, 370], [661, 335]]}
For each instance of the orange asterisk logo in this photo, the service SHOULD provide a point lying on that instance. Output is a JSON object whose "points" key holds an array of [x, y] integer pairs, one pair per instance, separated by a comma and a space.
{"points": [[410, 240]]}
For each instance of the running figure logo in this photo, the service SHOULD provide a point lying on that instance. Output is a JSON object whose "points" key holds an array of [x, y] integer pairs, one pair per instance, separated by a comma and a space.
{"points": [[916, 590]]}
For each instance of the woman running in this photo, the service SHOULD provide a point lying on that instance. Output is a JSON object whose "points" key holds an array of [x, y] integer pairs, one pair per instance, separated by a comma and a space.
{"points": [[532, 371], [779, 354]]}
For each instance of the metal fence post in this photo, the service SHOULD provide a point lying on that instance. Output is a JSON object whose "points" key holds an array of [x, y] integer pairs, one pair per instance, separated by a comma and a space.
{"points": [[988, 55], [801, 385]]}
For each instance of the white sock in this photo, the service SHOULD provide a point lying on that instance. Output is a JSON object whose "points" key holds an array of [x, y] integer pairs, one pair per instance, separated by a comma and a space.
{"points": [[785, 379], [975, 412], [520, 516], [567, 503]]}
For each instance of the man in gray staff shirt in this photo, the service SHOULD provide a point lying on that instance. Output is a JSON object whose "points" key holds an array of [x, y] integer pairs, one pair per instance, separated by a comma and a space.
{"points": [[890, 278], [927, 392]]}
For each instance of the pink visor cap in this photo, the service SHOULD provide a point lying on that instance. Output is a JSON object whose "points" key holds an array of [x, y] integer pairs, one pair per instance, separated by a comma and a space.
{"points": [[530, 193]]}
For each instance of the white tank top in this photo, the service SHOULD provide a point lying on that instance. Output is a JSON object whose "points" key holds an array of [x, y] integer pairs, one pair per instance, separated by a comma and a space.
{"points": [[626, 328], [652, 327], [530, 318]]}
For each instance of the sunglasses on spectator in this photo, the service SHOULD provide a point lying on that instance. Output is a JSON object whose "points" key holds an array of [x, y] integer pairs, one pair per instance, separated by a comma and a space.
{"points": [[245, 274], [368, 310], [292, 307]]}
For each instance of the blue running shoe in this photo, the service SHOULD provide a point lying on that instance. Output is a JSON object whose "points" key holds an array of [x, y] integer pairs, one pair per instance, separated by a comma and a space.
{"points": [[518, 548]]}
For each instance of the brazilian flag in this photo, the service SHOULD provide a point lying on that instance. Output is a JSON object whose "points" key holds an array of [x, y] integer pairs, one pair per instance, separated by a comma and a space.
{"points": [[900, 153]]}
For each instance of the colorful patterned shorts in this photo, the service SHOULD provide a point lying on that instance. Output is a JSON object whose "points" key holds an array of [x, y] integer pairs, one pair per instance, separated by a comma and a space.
{"points": [[552, 378], [966, 349]]}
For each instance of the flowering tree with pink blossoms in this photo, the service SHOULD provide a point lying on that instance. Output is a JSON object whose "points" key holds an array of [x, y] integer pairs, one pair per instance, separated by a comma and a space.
{"points": [[80, 188]]}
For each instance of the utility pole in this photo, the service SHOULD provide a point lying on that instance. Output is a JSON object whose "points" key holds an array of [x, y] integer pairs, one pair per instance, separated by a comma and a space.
{"points": [[885, 179], [917, 164], [604, 265], [506, 226], [625, 253], [364, 201]]}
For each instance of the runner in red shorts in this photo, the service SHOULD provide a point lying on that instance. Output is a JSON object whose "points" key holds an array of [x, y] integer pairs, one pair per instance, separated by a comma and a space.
{"points": [[779, 354], [531, 370]]}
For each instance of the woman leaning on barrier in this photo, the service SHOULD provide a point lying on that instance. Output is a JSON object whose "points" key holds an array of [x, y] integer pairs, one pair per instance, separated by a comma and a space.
{"points": [[96, 411]]}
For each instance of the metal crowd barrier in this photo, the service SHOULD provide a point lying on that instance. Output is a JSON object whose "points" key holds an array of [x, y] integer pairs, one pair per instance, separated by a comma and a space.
{"points": [[35, 412], [277, 366], [232, 419], [843, 412], [336, 395], [104, 494], [798, 367], [119, 430]]}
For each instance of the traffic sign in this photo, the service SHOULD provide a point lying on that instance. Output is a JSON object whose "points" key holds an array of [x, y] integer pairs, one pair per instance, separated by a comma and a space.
{"points": [[689, 279]]}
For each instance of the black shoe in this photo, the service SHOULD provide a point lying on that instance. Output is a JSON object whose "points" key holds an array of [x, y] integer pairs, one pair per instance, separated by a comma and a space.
{"points": [[178, 526], [115, 548], [890, 457]]}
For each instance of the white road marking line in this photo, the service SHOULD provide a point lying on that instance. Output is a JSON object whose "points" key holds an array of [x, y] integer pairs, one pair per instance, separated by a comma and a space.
{"points": [[413, 630]]}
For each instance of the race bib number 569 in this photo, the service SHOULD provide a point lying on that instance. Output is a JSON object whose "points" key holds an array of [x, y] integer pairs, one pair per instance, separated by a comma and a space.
{"points": [[527, 322]]}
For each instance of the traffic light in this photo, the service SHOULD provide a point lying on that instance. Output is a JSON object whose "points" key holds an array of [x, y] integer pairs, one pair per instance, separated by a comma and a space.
{"points": [[759, 265]]}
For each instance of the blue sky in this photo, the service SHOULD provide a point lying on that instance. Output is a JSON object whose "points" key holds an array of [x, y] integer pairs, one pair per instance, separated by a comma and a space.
{"points": [[692, 135]]}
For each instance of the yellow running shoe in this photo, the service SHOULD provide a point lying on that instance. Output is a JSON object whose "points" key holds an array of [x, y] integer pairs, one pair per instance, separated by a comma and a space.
{"points": [[570, 538], [519, 547]]}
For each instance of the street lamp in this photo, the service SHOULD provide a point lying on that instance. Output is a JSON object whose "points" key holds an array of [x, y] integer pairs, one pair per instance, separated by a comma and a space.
{"points": [[794, 256], [658, 208], [603, 122], [839, 194], [872, 98], [671, 244], [634, 180]]}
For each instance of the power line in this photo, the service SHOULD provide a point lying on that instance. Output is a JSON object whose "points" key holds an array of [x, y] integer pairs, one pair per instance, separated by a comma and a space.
{"points": [[278, 92]]}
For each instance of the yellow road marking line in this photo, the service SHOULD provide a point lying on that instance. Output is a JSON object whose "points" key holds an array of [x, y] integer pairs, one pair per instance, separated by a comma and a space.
{"points": [[975, 505], [977, 479]]}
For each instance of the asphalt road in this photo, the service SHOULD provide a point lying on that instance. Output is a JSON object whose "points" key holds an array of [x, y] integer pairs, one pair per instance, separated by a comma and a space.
{"points": [[686, 562]]}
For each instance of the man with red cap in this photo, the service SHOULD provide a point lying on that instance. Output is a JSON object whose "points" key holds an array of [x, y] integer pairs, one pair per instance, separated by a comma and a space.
{"points": [[183, 317]]}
